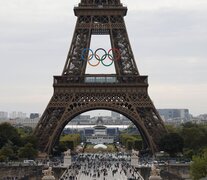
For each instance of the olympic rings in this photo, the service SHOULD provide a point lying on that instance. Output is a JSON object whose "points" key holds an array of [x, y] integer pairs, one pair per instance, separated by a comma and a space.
{"points": [[100, 55]]}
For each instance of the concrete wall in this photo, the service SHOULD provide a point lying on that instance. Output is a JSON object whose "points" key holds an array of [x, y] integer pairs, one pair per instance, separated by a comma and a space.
{"points": [[26, 172], [20, 172], [169, 172]]}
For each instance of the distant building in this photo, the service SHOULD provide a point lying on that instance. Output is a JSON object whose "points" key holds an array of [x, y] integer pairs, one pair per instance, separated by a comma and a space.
{"points": [[88, 131], [99, 134], [14, 115], [126, 121], [112, 131], [10, 121], [3, 115], [201, 119], [34, 115], [100, 130], [27, 122], [114, 119], [81, 119], [174, 116], [115, 115], [19, 119]]}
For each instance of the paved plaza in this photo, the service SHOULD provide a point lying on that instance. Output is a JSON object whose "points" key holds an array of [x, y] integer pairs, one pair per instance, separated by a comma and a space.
{"points": [[113, 173], [101, 167]]}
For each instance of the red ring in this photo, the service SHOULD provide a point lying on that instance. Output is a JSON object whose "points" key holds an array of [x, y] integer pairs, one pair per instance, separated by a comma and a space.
{"points": [[114, 50]]}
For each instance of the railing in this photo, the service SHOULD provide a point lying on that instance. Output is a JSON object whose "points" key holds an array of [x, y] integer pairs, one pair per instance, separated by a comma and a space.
{"points": [[101, 26], [100, 79], [100, 3], [116, 8]]}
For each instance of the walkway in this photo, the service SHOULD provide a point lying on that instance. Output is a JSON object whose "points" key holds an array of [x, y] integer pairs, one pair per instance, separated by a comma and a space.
{"points": [[101, 167]]}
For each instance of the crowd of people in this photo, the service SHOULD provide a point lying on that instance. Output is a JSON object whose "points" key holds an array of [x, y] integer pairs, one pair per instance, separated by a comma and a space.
{"points": [[101, 167]]}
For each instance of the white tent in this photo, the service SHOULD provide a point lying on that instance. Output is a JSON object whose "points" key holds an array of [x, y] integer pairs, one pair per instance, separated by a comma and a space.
{"points": [[102, 146]]}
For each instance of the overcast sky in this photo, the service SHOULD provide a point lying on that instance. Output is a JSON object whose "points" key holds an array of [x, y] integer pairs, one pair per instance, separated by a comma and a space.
{"points": [[168, 38]]}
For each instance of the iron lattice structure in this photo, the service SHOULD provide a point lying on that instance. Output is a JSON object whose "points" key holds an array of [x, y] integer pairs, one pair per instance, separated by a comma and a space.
{"points": [[76, 92]]}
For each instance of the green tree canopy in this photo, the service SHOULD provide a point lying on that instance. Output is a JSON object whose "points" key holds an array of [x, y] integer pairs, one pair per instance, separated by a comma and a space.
{"points": [[171, 143], [194, 136], [131, 141], [8, 134], [24, 131], [27, 151], [199, 166], [7, 153], [29, 139]]}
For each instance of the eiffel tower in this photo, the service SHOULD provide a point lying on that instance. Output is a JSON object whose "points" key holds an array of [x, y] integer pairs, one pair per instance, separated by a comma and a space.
{"points": [[76, 92]]}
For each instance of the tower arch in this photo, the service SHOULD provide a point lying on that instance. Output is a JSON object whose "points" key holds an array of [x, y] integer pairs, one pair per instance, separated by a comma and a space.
{"points": [[132, 117]]}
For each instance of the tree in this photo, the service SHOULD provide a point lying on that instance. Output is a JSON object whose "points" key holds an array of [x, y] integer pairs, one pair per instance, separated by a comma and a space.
{"points": [[130, 144], [24, 131], [199, 166], [27, 151], [70, 140], [29, 139], [131, 141], [194, 136], [16, 142], [171, 143], [59, 148], [3, 158], [171, 128], [7, 153], [8, 134], [138, 145]]}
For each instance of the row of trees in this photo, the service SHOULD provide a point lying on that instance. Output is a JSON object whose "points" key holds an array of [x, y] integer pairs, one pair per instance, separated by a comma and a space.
{"points": [[199, 165], [66, 142], [20, 143], [131, 141], [194, 146], [172, 143], [193, 136], [16, 143]]}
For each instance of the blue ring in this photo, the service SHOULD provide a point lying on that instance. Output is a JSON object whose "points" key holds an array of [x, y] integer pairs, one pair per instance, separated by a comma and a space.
{"points": [[83, 53]]}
